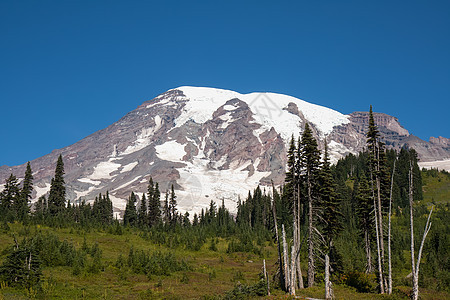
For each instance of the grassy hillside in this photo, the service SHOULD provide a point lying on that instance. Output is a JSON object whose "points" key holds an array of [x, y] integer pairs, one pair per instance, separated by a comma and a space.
{"points": [[116, 262], [210, 272], [436, 186]]}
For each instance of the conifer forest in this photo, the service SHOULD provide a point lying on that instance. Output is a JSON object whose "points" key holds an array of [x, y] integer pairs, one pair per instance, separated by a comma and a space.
{"points": [[372, 226]]}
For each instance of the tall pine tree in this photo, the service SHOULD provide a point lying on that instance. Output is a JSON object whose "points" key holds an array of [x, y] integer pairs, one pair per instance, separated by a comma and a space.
{"points": [[376, 161], [142, 214], [57, 195], [173, 206], [22, 206], [8, 197], [154, 203], [130, 216], [309, 168]]}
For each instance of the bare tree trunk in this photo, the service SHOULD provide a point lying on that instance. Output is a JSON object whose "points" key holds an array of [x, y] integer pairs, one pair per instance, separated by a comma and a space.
{"points": [[380, 217], [297, 255], [266, 277], [328, 292], [310, 237], [389, 233], [415, 267], [415, 290], [293, 273], [280, 261], [286, 261], [415, 294], [380, 269], [368, 249]]}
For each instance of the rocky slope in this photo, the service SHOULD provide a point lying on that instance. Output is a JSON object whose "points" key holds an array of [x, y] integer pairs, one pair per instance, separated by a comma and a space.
{"points": [[211, 144]]}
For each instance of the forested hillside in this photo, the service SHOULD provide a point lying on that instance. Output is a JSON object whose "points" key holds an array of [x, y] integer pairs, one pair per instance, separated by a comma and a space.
{"points": [[339, 231]]}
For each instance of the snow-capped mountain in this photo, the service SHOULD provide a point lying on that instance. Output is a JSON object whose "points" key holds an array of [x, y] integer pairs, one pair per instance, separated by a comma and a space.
{"points": [[212, 144]]}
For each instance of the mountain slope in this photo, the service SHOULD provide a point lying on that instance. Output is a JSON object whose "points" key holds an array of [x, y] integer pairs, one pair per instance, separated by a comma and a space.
{"points": [[212, 144]]}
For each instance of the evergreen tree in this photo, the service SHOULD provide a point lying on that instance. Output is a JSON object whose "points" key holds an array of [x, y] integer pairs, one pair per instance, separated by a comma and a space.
{"points": [[291, 174], [378, 175], [329, 202], [195, 220], [309, 167], [401, 178], [330, 216], [186, 221], [173, 206], [22, 267], [22, 206], [364, 210], [102, 209], [166, 209], [130, 215], [8, 198], [57, 195], [143, 215], [154, 203]]}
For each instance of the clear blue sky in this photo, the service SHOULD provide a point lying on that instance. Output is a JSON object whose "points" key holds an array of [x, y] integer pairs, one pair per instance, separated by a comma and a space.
{"points": [[70, 68]]}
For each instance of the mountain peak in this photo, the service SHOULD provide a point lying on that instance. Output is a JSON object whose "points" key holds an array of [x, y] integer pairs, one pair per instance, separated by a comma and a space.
{"points": [[211, 144]]}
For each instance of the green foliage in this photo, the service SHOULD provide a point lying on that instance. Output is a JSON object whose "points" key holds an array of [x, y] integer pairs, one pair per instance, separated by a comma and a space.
{"points": [[152, 263], [130, 216], [362, 282], [8, 199], [436, 186], [22, 267], [243, 243], [57, 194], [244, 291], [184, 278]]}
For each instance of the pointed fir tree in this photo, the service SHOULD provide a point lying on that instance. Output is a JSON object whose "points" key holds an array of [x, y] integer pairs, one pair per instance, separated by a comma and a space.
{"points": [[166, 209], [173, 206], [57, 195], [154, 203], [130, 215], [8, 198], [291, 174], [142, 214], [195, 220], [22, 267], [329, 202], [364, 211], [376, 149], [22, 207], [309, 159]]}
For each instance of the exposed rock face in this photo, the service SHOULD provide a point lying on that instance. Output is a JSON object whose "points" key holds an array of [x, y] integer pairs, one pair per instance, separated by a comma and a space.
{"points": [[211, 144], [440, 141]]}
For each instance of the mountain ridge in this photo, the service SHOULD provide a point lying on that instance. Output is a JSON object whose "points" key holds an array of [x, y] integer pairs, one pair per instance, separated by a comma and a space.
{"points": [[212, 144]]}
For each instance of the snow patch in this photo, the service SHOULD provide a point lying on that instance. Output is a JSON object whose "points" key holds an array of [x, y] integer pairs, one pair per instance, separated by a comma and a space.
{"points": [[201, 184], [171, 151], [127, 183], [438, 164], [85, 193], [89, 181], [227, 118], [104, 169], [40, 191], [118, 203], [337, 150], [229, 107], [143, 138], [129, 167]]}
